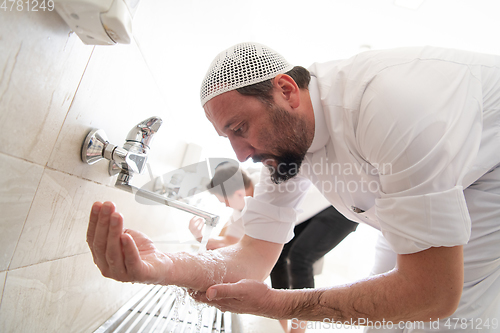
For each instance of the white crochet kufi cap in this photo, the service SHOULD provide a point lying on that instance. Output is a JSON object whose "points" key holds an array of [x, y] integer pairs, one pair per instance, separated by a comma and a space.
{"points": [[239, 66]]}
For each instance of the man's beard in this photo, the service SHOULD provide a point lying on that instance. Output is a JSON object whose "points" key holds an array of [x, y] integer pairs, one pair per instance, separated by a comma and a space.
{"points": [[291, 141]]}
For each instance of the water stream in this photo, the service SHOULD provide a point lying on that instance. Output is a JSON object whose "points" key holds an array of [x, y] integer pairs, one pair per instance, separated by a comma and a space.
{"points": [[207, 232], [184, 305]]}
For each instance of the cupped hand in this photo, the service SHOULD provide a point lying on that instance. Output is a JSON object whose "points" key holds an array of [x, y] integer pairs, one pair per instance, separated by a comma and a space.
{"points": [[123, 254]]}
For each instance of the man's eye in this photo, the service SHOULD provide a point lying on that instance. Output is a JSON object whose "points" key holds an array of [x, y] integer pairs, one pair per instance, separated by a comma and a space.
{"points": [[238, 130]]}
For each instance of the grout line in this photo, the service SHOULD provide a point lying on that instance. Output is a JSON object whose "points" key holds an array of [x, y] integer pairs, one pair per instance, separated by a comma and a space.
{"points": [[3, 289], [21, 159], [47, 261], [25, 219], [69, 108], [54, 169], [77, 176]]}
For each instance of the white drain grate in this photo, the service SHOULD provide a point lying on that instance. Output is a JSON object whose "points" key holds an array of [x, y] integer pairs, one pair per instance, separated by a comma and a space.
{"points": [[165, 309]]}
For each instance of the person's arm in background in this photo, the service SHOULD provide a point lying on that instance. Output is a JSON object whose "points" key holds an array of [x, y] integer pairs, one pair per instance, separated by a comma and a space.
{"points": [[221, 241], [196, 225]]}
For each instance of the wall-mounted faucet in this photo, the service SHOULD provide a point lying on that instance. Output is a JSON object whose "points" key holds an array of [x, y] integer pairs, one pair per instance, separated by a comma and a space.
{"points": [[131, 159]]}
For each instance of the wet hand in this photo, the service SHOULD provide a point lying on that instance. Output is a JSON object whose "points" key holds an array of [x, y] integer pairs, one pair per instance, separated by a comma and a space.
{"points": [[245, 296], [123, 254]]}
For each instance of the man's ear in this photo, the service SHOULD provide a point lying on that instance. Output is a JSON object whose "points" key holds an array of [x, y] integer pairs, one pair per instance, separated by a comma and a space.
{"points": [[240, 193], [287, 89]]}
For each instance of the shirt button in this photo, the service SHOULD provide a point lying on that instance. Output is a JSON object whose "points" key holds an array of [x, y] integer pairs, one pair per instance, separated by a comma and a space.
{"points": [[357, 210]]}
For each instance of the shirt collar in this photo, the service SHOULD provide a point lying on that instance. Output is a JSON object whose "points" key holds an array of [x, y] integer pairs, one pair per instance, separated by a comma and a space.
{"points": [[321, 134]]}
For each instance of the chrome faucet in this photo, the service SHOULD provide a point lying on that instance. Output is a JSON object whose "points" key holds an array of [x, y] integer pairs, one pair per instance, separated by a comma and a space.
{"points": [[131, 159]]}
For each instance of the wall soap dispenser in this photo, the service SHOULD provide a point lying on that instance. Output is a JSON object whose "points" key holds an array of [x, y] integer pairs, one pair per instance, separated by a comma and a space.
{"points": [[99, 22]]}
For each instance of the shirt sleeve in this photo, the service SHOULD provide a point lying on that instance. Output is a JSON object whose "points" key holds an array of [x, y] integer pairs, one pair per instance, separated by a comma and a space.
{"points": [[271, 214], [420, 124], [313, 203], [235, 226]]}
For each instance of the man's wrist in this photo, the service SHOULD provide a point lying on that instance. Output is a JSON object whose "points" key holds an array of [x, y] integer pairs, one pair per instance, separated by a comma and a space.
{"points": [[280, 302], [298, 303], [195, 271], [174, 275]]}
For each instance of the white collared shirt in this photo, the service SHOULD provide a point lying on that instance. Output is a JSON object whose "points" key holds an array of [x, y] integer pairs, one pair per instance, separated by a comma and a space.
{"points": [[399, 135], [313, 203]]}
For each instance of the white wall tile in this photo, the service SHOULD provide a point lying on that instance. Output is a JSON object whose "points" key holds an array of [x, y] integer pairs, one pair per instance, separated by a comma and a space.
{"points": [[66, 295], [57, 223], [42, 64], [19, 180], [116, 92]]}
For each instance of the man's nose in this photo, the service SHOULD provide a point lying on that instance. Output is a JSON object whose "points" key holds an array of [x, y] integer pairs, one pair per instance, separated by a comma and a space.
{"points": [[242, 149]]}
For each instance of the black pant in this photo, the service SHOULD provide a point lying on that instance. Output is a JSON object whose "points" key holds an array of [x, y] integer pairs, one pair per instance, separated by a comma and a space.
{"points": [[313, 239]]}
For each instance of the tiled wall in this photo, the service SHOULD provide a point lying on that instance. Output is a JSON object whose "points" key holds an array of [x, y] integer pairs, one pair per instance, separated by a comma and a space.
{"points": [[53, 89]]}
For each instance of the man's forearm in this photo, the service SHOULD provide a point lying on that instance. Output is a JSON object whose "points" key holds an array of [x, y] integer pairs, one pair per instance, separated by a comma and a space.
{"points": [[408, 293], [247, 259], [347, 303]]}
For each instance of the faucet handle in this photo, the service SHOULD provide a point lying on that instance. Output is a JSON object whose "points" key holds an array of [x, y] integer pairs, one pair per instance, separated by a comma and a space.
{"points": [[132, 157], [129, 160], [136, 162], [143, 132]]}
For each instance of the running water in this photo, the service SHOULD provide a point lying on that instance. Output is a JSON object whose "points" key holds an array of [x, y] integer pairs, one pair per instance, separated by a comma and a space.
{"points": [[190, 310], [180, 300], [207, 231], [195, 309], [199, 307]]}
